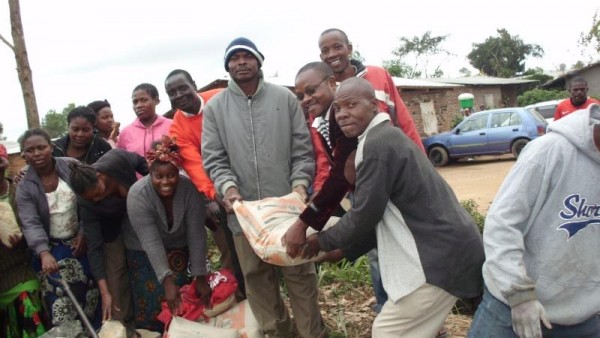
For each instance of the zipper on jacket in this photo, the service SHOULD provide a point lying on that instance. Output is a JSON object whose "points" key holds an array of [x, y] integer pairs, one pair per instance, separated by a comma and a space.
{"points": [[249, 104]]}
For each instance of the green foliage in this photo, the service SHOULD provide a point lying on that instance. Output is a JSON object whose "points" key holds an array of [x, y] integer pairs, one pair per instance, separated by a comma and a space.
{"points": [[503, 55], [456, 120], [357, 56], [56, 123], [540, 95], [438, 72], [464, 72], [471, 206], [540, 78], [350, 274], [419, 49], [399, 69], [591, 38], [537, 74], [578, 65]]}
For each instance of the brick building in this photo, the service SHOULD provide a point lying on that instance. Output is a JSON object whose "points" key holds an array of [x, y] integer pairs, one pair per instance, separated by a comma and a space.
{"points": [[433, 103]]}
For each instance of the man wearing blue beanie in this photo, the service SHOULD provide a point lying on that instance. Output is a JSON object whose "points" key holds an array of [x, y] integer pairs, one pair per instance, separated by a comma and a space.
{"points": [[256, 144], [243, 44]]}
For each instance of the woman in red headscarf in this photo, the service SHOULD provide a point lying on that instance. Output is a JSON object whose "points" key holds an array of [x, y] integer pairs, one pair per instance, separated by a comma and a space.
{"points": [[163, 210]]}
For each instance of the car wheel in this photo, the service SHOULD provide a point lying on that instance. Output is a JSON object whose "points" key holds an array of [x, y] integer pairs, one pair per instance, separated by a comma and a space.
{"points": [[517, 146], [438, 156]]}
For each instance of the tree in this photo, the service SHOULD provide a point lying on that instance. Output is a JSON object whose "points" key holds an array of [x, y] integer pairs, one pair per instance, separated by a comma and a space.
{"points": [[591, 38], [56, 123], [23, 68], [464, 72], [503, 55], [537, 74], [2, 138], [357, 56], [420, 50], [399, 69], [578, 65]]}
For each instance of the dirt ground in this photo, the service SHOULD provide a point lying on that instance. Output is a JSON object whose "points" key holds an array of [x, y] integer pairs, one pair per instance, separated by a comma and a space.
{"points": [[478, 179]]}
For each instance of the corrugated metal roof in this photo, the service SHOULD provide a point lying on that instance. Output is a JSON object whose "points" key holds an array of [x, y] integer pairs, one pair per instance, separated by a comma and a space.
{"points": [[12, 147], [482, 80], [570, 74], [289, 82], [422, 83]]}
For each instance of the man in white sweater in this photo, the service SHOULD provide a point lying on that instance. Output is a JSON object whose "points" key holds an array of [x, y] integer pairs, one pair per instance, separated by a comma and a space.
{"points": [[542, 238]]}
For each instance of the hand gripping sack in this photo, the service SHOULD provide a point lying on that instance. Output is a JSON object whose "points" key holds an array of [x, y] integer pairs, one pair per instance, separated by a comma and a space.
{"points": [[264, 223]]}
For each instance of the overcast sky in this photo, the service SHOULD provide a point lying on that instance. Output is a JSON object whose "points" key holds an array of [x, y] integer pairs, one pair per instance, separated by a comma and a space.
{"points": [[81, 51]]}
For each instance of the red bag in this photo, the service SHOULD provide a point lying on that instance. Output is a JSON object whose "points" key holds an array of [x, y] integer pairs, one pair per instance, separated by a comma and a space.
{"points": [[223, 285]]}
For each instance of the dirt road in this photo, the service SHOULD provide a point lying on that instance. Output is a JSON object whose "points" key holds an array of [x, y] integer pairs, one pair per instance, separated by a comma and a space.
{"points": [[478, 179]]}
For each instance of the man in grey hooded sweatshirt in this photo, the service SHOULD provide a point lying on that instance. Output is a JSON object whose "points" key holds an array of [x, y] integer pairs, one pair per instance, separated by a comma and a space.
{"points": [[542, 238]]}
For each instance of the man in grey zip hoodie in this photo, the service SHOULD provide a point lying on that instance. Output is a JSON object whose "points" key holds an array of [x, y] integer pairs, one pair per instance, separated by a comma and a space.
{"points": [[542, 238], [256, 144]]}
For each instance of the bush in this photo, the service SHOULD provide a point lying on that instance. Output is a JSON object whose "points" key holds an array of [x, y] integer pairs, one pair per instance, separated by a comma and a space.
{"points": [[456, 119], [540, 95], [471, 206]]}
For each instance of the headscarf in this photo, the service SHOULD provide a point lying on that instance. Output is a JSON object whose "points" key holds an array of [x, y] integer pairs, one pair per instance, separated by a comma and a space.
{"points": [[166, 151]]}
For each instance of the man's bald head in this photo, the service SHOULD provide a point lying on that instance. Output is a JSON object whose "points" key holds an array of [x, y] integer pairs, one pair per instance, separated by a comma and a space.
{"points": [[355, 106], [358, 87]]}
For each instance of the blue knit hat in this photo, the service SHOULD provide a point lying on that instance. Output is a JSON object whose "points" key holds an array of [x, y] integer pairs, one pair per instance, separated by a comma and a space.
{"points": [[245, 44]]}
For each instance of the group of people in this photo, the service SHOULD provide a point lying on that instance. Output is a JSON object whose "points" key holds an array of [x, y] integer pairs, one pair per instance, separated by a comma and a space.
{"points": [[121, 254], [121, 215]]}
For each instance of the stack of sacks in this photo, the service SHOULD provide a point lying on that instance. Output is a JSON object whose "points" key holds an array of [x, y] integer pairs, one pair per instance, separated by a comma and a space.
{"points": [[265, 222]]}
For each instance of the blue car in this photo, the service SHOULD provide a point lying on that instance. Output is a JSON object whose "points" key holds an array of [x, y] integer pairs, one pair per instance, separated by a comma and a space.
{"points": [[490, 132]]}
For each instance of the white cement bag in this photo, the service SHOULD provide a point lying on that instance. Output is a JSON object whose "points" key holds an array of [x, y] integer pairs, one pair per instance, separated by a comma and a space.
{"points": [[148, 334], [265, 222], [183, 328], [241, 318], [8, 224], [112, 329]]}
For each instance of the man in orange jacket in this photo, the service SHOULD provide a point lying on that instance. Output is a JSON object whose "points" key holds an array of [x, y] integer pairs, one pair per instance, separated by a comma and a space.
{"points": [[187, 129]]}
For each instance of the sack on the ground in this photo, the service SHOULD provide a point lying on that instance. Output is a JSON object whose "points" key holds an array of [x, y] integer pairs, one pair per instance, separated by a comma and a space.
{"points": [[223, 285], [68, 329], [8, 224], [148, 334], [112, 329], [183, 328], [240, 318], [264, 223]]}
